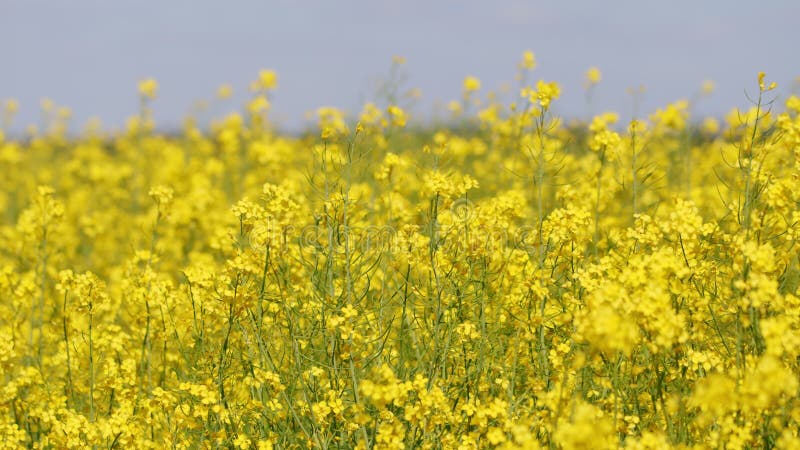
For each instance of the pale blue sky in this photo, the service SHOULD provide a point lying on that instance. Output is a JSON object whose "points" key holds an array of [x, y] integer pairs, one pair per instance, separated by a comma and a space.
{"points": [[89, 54]]}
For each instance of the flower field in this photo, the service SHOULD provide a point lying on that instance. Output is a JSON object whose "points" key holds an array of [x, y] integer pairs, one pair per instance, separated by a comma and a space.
{"points": [[513, 280]]}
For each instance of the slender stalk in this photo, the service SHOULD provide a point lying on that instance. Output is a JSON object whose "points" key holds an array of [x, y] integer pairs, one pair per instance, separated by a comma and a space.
{"points": [[91, 366], [70, 390]]}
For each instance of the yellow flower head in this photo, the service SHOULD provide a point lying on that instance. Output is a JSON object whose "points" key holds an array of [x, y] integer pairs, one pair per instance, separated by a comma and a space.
{"points": [[761, 84], [471, 84], [545, 92], [593, 76], [707, 87], [710, 125], [637, 126], [331, 122], [397, 115], [267, 80], [11, 106], [455, 107], [793, 104], [258, 105], [162, 195], [528, 60], [372, 115], [602, 121], [148, 88], [224, 91], [47, 105]]}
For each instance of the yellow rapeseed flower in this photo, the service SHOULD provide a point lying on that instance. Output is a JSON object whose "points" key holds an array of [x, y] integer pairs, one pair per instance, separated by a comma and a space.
{"points": [[11, 106], [528, 60], [707, 87], [544, 93], [471, 84], [593, 76], [762, 85], [224, 91], [148, 88], [266, 81], [398, 117]]}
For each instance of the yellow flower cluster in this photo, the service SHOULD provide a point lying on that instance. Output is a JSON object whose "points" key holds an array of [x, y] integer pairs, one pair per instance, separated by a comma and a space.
{"points": [[544, 93], [510, 283]]}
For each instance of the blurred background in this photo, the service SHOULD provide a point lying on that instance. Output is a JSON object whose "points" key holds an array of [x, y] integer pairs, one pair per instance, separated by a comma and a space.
{"points": [[90, 54]]}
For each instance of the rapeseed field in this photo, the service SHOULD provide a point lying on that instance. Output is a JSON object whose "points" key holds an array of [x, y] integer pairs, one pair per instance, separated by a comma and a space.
{"points": [[510, 279]]}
